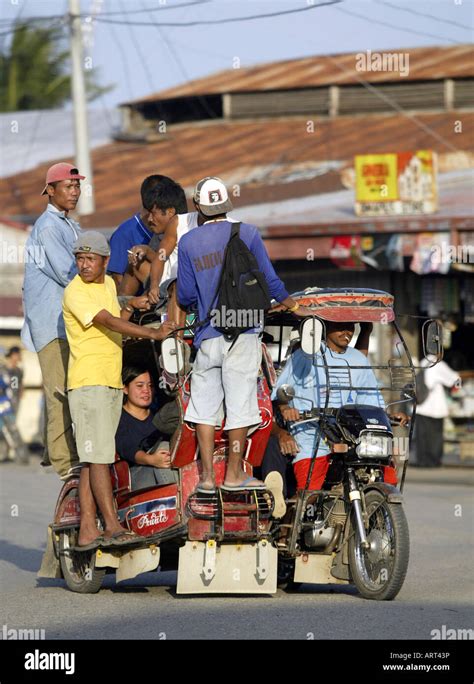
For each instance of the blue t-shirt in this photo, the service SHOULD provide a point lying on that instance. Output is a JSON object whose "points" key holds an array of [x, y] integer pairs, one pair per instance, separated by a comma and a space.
{"points": [[129, 233], [135, 435], [309, 382], [200, 257]]}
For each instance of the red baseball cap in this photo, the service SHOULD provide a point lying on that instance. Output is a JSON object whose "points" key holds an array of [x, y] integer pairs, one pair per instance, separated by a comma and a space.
{"points": [[61, 171]]}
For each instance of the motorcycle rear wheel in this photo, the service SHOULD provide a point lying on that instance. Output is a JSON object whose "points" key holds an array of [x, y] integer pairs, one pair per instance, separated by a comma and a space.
{"points": [[78, 567], [379, 573]]}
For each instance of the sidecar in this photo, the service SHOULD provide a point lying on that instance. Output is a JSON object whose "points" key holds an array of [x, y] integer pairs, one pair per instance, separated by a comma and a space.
{"points": [[218, 543]]}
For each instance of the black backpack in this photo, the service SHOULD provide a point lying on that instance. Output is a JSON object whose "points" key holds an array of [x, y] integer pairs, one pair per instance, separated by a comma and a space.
{"points": [[422, 390], [242, 292]]}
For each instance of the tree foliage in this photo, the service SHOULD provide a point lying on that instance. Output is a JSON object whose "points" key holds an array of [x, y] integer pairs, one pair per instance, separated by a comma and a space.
{"points": [[35, 73]]}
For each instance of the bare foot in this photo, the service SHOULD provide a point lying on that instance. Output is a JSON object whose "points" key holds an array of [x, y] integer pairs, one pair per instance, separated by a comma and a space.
{"points": [[246, 481], [206, 484], [86, 537], [110, 531]]}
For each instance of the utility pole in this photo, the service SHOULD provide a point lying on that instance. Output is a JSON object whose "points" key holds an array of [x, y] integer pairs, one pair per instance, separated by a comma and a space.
{"points": [[86, 204]]}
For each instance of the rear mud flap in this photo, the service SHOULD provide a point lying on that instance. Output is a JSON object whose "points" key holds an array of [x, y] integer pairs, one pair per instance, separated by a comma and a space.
{"points": [[209, 568], [50, 566], [129, 564]]}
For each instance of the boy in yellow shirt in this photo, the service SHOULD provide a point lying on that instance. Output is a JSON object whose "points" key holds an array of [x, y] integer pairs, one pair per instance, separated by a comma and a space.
{"points": [[94, 328]]}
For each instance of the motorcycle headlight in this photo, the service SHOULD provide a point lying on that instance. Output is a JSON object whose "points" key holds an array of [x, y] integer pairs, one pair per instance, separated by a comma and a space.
{"points": [[374, 445]]}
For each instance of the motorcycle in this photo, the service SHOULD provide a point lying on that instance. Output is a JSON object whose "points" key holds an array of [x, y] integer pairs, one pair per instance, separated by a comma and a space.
{"points": [[352, 531]]}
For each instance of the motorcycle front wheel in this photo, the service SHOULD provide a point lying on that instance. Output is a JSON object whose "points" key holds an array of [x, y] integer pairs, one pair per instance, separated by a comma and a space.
{"points": [[379, 572], [78, 567]]}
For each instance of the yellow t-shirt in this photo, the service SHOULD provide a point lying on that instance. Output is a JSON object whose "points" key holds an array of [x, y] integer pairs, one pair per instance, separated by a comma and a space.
{"points": [[95, 352]]}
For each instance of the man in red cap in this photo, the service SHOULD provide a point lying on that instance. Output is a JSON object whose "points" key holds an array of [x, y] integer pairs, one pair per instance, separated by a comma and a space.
{"points": [[49, 267]]}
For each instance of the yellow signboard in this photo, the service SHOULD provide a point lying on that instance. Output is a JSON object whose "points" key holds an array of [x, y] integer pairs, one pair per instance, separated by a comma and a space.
{"points": [[396, 183]]}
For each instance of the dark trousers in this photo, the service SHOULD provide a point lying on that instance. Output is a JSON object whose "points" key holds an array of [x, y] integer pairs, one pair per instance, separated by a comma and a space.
{"points": [[429, 441], [273, 459]]}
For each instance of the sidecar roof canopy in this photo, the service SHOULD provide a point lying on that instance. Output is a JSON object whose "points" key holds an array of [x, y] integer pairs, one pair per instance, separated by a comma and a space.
{"points": [[360, 305]]}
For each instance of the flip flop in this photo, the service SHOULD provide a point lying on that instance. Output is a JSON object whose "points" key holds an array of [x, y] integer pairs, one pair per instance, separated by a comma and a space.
{"points": [[246, 484], [274, 483], [205, 490], [113, 542], [91, 546]]}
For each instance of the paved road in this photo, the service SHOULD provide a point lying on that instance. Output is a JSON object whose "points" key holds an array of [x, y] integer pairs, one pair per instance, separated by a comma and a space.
{"points": [[438, 589]]}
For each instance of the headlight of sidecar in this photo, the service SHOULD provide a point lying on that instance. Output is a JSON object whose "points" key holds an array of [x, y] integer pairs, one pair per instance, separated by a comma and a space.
{"points": [[374, 445]]}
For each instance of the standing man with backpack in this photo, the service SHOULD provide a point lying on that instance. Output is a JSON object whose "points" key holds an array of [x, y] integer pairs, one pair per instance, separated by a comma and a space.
{"points": [[224, 270]]}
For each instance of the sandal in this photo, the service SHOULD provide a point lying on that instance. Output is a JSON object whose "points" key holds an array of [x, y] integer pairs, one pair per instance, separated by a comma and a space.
{"points": [[130, 539], [205, 489], [248, 483], [93, 545]]}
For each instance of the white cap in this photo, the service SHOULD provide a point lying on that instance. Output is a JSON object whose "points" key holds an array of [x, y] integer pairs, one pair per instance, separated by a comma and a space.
{"points": [[212, 196]]}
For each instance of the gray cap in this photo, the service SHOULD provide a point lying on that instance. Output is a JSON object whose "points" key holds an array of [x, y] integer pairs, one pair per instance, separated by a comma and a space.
{"points": [[212, 196], [93, 242]]}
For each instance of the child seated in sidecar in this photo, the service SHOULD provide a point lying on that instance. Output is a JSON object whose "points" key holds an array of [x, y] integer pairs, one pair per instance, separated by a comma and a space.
{"points": [[309, 382], [137, 439]]}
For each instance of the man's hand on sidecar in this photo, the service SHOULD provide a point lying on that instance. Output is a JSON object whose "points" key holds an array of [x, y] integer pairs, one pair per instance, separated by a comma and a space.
{"points": [[289, 414], [154, 295], [160, 459], [303, 311], [400, 418], [288, 445], [141, 303], [164, 330]]}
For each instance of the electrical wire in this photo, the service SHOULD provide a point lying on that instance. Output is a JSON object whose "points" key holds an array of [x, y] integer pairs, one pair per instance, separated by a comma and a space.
{"points": [[207, 22], [161, 8], [121, 52], [143, 61], [422, 14], [393, 26]]}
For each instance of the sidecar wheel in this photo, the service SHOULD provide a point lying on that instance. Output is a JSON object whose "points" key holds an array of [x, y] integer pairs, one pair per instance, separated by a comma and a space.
{"points": [[379, 573], [78, 567]]}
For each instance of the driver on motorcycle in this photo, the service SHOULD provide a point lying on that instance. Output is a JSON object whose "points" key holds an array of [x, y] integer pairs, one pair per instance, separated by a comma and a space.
{"points": [[309, 382]]}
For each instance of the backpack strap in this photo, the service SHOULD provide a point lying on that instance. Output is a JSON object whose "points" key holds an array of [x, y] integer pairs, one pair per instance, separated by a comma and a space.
{"points": [[235, 231]]}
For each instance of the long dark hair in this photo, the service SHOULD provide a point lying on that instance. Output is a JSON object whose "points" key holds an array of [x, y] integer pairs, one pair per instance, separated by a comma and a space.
{"points": [[130, 373]]}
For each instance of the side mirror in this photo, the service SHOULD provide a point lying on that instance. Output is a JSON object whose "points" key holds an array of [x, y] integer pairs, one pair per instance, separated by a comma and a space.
{"points": [[432, 340], [172, 355], [285, 393], [311, 335]]}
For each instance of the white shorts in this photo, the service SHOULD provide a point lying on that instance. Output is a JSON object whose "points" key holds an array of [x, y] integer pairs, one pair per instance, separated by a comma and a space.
{"points": [[226, 378]]}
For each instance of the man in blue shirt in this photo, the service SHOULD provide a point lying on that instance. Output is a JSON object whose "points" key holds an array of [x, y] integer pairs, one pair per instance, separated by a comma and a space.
{"points": [[49, 267], [225, 371], [308, 378], [133, 231], [137, 241]]}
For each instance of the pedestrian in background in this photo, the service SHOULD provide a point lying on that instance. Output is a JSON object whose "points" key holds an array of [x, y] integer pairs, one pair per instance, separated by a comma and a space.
{"points": [[15, 373], [430, 414]]}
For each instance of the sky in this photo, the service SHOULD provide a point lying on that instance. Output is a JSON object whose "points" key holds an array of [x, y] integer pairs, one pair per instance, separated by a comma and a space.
{"points": [[139, 60]]}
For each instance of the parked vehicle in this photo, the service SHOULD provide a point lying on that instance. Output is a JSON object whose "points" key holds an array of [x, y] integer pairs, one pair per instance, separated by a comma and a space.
{"points": [[352, 531]]}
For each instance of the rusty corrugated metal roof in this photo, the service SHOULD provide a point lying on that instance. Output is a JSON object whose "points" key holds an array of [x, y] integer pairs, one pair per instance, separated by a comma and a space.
{"points": [[251, 156], [425, 63]]}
